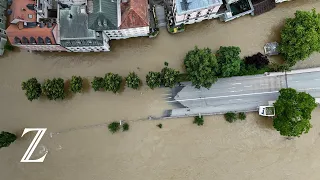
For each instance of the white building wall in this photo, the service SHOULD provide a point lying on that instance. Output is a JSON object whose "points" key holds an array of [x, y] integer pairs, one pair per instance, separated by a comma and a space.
{"points": [[127, 33], [196, 16]]}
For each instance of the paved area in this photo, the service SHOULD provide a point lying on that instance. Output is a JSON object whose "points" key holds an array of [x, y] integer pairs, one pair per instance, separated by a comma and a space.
{"points": [[241, 93], [161, 16]]}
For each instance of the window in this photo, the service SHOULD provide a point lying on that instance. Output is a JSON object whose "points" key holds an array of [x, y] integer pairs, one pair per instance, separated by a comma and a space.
{"points": [[0, 20]]}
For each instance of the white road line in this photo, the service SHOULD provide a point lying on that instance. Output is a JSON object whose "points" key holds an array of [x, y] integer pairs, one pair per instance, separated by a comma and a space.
{"points": [[264, 84], [317, 79], [248, 86], [237, 95], [232, 88], [236, 83]]}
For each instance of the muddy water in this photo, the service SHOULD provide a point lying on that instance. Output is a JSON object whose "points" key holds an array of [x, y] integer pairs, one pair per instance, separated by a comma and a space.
{"points": [[244, 150]]}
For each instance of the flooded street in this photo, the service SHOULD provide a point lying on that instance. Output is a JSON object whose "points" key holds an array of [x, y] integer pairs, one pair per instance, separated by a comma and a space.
{"points": [[85, 150]]}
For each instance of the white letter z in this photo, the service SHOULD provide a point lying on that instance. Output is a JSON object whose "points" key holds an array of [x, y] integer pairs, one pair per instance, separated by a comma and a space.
{"points": [[33, 145]]}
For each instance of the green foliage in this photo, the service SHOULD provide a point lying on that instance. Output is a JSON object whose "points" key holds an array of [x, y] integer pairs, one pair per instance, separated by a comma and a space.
{"points": [[114, 127], [76, 84], [199, 120], [242, 116], [259, 60], [300, 36], [169, 76], [54, 89], [183, 77], [201, 67], [112, 82], [6, 139], [229, 61], [153, 79], [97, 83], [32, 88], [133, 81], [279, 67], [246, 70], [293, 112], [159, 125], [8, 47], [230, 117], [125, 127]]}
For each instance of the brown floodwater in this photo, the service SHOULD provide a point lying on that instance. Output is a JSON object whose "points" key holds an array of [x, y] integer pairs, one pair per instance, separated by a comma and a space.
{"points": [[81, 147]]}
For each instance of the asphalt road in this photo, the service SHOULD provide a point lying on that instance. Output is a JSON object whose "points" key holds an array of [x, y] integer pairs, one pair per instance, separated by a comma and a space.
{"points": [[245, 93]]}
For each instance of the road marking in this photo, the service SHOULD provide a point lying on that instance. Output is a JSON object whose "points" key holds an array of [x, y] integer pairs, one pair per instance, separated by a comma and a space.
{"points": [[236, 83], [236, 95], [264, 84], [248, 86], [232, 88], [317, 79]]}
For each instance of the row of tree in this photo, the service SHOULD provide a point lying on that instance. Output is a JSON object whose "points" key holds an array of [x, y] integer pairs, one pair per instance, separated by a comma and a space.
{"points": [[203, 67]]}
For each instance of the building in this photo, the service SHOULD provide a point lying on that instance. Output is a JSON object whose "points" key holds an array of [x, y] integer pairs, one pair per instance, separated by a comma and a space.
{"points": [[192, 11], [75, 35], [33, 25], [120, 19], [3, 22]]}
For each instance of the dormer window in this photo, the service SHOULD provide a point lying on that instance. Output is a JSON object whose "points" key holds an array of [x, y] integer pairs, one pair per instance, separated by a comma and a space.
{"points": [[33, 40], [99, 23], [40, 40], [25, 40], [17, 40], [48, 40]]}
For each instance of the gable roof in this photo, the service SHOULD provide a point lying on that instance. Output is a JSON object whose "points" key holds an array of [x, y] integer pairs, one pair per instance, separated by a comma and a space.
{"points": [[104, 15], [134, 14]]}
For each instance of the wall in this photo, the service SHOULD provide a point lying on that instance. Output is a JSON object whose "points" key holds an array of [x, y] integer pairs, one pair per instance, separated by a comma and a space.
{"points": [[128, 33], [88, 49], [41, 47]]}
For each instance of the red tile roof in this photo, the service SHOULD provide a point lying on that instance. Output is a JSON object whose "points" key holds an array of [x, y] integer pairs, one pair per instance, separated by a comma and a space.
{"points": [[35, 32], [134, 14], [20, 10]]}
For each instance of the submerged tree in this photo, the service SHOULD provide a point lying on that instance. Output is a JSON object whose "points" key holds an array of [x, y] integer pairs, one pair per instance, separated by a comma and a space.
{"points": [[201, 67], [300, 36], [54, 89], [258, 60], [293, 112], [229, 61], [32, 88], [114, 127], [6, 139], [97, 83], [169, 76], [230, 117], [133, 81], [125, 127], [76, 84], [153, 79], [199, 120], [112, 82]]}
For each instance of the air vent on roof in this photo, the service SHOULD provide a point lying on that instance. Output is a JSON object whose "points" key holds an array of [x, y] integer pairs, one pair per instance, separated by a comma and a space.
{"points": [[30, 6], [9, 11], [105, 23], [49, 25], [70, 16], [9, 2], [124, 1]]}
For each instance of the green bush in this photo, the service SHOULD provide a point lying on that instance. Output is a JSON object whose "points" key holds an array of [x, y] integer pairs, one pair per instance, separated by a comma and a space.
{"points": [[54, 89], [242, 116], [97, 83], [114, 127], [8, 47], [32, 88], [159, 125], [230, 117], [153, 79], [76, 84], [133, 81], [125, 127], [112, 82], [199, 120], [6, 139]]}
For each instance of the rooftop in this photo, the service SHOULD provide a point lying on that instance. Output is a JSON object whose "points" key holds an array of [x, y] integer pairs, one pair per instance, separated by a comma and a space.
{"points": [[134, 13], [184, 6], [22, 9], [74, 28], [104, 15]]}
